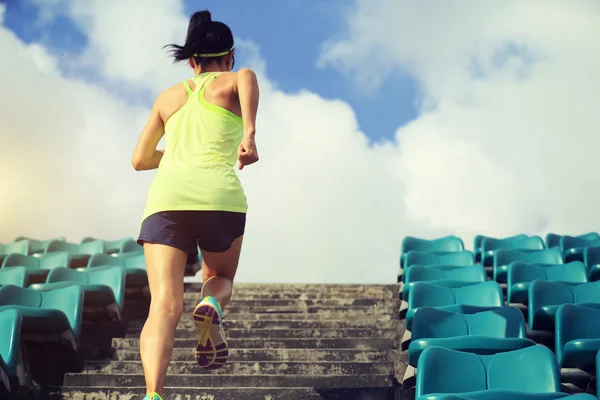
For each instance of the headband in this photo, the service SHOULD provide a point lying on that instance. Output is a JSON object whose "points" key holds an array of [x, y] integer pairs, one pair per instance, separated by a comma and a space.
{"points": [[215, 54]]}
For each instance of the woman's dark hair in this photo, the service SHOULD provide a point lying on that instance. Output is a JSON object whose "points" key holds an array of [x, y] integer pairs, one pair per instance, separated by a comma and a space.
{"points": [[204, 36]]}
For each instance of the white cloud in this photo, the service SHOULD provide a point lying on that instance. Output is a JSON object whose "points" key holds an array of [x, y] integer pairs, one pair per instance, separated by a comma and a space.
{"points": [[324, 205]]}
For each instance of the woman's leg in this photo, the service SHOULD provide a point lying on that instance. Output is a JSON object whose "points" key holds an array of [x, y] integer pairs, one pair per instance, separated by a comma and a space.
{"points": [[166, 266], [218, 272]]}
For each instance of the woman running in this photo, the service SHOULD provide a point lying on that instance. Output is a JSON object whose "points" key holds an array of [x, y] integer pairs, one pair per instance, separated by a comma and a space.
{"points": [[195, 200]]}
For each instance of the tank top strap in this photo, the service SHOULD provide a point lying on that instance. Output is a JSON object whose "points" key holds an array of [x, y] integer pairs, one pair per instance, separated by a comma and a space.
{"points": [[206, 81], [187, 87]]}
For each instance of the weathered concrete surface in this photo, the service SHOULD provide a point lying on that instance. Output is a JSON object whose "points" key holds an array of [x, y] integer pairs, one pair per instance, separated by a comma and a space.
{"points": [[286, 342]]}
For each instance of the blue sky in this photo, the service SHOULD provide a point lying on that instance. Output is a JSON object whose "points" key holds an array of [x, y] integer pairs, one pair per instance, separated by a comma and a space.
{"points": [[290, 34]]}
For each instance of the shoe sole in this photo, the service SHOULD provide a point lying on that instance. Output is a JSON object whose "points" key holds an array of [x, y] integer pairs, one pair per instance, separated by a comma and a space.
{"points": [[212, 350]]}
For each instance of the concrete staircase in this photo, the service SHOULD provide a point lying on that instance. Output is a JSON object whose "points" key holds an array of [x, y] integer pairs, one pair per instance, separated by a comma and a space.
{"points": [[286, 342]]}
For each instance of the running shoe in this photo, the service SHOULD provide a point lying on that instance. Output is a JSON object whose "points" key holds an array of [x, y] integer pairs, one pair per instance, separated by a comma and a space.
{"points": [[212, 350], [153, 396]]}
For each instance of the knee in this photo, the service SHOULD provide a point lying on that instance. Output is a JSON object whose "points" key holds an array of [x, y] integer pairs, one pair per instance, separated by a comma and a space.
{"points": [[167, 307]]}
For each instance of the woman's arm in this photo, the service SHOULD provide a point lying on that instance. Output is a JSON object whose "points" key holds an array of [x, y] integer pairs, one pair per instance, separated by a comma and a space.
{"points": [[247, 90], [146, 156]]}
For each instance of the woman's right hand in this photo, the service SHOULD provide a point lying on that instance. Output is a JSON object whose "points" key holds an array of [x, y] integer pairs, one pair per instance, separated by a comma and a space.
{"points": [[247, 153]]}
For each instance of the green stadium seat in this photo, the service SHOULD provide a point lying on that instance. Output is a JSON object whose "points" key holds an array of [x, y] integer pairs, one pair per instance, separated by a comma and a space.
{"points": [[119, 246], [134, 264], [478, 240], [13, 276], [553, 239], [572, 248], [484, 333], [504, 257], [546, 297], [429, 258], [56, 311], [20, 247], [104, 287], [490, 246], [577, 337], [38, 267], [424, 294], [520, 275], [443, 275], [507, 375], [38, 246], [446, 243], [511, 395], [591, 258], [80, 253], [10, 343]]}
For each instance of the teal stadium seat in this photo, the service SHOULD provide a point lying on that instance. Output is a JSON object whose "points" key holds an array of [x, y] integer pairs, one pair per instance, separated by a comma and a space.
{"points": [[134, 264], [46, 312], [446, 243], [489, 246], [117, 247], [529, 373], [484, 333], [38, 246], [553, 239], [504, 257], [13, 276], [104, 287], [520, 275], [10, 344], [591, 258], [430, 258], [20, 247], [546, 297], [80, 253], [572, 248], [577, 337], [443, 275], [481, 296], [38, 267], [478, 240]]}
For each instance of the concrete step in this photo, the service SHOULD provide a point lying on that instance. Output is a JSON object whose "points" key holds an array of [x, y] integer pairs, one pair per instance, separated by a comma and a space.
{"points": [[233, 381], [249, 368], [301, 303], [211, 393], [291, 333], [360, 343], [272, 355], [367, 310], [187, 323], [349, 315]]}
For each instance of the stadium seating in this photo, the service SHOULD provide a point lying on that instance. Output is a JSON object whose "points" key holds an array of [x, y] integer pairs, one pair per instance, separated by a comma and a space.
{"points": [[446, 244], [546, 297], [13, 276], [528, 373], [37, 246], [553, 239], [104, 287], [572, 248], [80, 252], [20, 247], [38, 267], [477, 242], [443, 275], [481, 296], [484, 332], [591, 258], [134, 264], [10, 345], [504, 257], [520, 275], [117, 247], [489, 246], [577, 337]]}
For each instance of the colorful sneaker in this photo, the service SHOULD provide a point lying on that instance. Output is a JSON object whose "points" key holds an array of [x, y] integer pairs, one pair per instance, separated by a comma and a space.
{"points": [[153, 396], [212, 350]]}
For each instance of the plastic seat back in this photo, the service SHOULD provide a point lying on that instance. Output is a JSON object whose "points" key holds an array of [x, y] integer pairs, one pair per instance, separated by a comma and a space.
{"points": [[13, 276], [546, 256], [92, 247], [473, 273], [113, 277], [102, 260], [446, 243], [517, 243], [573, 272], [449, 371], [429, 322], [478, 241], [10, 345], [424, 258], [135, 261], [570, 242], [529, 370], [425, 294], [67, 275], [502, 322], [21, 260], [485, 294], [20, 247], [552, 240], [11, 295], [69, 300], [587, 293], [58, 259], [58, 245], [543, 293], [575, 322], [591, 256]]}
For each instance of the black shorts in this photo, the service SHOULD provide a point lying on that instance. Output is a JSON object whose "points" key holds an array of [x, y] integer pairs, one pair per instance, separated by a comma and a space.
{"points": [[212, 231]]}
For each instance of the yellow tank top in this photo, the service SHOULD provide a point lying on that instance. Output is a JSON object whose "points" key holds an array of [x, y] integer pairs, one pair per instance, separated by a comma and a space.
{"points": [[196, 171]]}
